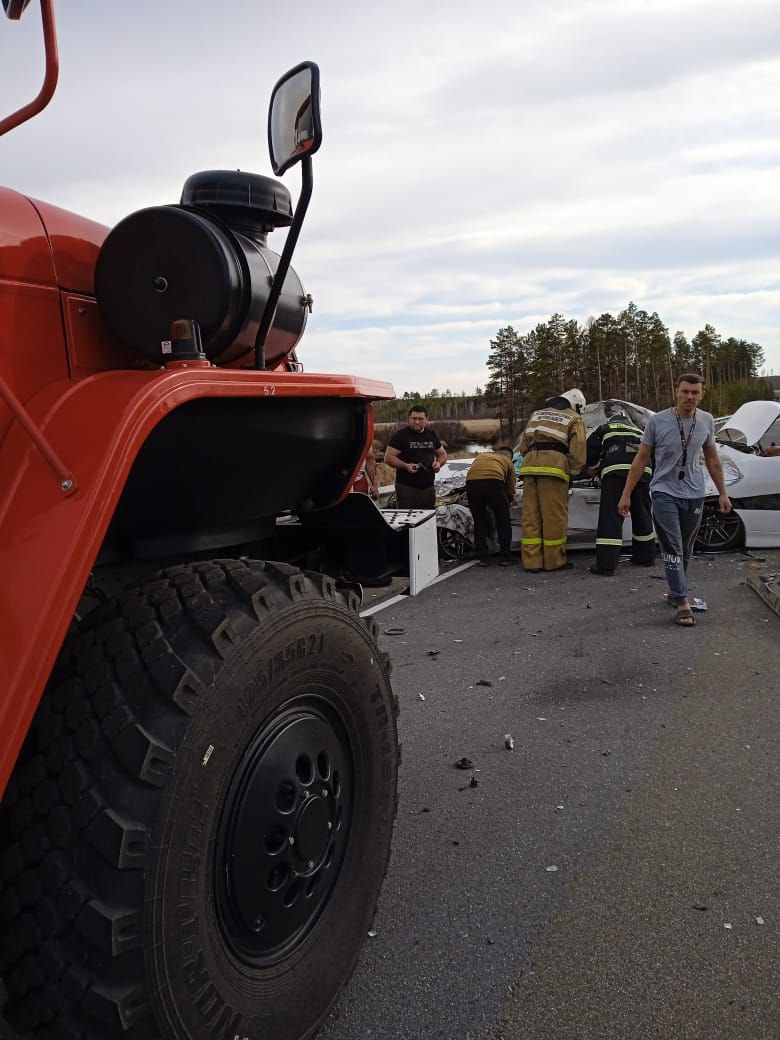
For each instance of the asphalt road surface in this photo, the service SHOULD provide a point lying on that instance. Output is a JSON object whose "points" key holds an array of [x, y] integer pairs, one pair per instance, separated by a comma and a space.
{"points": [[608, 877], [605, 877]]}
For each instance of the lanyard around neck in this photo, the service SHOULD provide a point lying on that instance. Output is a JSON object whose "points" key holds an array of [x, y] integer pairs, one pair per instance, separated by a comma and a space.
{"points": [[685, 441]]}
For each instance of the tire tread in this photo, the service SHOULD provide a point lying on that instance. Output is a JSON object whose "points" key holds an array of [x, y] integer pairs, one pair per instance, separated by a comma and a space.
{"points": [[100, 750]]}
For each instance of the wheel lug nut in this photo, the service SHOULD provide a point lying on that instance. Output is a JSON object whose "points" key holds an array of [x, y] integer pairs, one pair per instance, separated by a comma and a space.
{"points": [[291, 840], [324, 792], [259, 923], [305, 794], [330, 825], [310, 864]]}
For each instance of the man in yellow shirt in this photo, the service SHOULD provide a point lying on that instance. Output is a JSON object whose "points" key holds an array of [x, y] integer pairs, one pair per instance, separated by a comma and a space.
{"points": [[490, 487]]}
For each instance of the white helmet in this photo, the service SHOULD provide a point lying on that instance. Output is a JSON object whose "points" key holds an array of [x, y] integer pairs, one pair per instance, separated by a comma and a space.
{"points": [[576, 399]]}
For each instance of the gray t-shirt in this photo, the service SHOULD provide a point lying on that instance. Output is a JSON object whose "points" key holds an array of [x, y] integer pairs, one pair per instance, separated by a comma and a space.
{"points": [[662, 434]]}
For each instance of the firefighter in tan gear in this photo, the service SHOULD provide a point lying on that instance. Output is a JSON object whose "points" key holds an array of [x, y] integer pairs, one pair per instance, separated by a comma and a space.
{"points": [[553, 446]]}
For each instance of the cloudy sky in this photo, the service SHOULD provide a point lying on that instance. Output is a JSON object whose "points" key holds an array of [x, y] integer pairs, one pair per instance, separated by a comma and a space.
{"points": [[484, 164]]}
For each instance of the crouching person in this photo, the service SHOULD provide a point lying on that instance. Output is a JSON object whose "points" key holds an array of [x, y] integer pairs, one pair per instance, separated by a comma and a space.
{"points": [[490, 487]]}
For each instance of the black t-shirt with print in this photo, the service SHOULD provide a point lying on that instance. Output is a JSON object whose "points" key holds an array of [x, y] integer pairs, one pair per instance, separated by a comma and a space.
{"points": [[416, 447]]}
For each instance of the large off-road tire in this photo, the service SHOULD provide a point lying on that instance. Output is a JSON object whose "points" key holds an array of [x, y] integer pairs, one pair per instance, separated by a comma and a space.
{"points": [[196, 833]]}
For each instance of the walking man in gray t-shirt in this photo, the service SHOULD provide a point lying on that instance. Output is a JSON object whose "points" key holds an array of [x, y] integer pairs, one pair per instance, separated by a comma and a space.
{"points": [[678, 437]]}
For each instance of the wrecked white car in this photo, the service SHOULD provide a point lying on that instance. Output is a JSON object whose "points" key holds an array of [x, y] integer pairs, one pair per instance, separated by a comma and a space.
{"points": [[749, 446], [746, 441]]}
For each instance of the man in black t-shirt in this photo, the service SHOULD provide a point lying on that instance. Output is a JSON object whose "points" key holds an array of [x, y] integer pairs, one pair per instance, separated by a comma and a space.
{"points": [[416, 454]]}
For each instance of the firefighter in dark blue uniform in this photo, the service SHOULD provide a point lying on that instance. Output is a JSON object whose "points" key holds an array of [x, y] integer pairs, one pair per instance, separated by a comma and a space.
{"points": [[611, 448]]}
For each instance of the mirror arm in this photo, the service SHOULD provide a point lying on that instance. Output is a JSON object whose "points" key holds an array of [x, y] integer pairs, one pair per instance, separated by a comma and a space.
{"points": [[50, 78], [284, 262]]}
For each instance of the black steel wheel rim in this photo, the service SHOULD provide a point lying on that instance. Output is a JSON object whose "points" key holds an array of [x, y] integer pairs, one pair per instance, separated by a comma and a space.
{"points": [[284, 832], [718, 530]]}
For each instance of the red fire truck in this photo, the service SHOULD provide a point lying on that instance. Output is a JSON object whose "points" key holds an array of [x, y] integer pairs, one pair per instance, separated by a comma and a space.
{"points": [[199, 748]]}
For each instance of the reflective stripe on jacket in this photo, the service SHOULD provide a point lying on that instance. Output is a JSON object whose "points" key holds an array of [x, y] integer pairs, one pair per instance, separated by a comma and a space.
{"points": [[614, 446], [549, 427]]}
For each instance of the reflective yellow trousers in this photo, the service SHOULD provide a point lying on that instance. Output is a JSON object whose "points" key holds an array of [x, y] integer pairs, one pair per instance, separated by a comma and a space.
{"points": [[545, 522]]}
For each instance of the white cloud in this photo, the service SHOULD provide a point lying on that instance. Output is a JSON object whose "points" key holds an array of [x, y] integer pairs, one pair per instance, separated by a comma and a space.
{"points": [[483, 165]]}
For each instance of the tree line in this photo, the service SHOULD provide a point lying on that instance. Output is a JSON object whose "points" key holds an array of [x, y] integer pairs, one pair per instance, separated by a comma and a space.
{"points": [[631, 357], [440, 405]]}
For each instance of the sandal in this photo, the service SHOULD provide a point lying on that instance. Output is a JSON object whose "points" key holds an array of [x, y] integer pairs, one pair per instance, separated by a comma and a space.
{"points": [[684, 618]]}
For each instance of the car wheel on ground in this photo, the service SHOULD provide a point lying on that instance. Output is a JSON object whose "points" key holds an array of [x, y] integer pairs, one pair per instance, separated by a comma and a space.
{"points": [[719, 531], [453, 545]]}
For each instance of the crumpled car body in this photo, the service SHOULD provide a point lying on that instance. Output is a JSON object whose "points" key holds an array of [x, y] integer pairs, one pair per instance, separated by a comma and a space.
{"points": [[752, 481]]}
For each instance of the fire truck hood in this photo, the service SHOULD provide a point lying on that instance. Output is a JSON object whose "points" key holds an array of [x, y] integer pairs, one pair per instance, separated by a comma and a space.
{"points": [[75, 244]]}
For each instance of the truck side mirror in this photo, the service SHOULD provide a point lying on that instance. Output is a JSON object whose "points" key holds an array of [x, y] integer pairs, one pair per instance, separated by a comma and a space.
{"points": [[294, 127], [14, 8]]}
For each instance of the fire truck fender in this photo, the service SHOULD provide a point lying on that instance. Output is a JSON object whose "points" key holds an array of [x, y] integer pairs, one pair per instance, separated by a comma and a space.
{"points": [[50, 537]]}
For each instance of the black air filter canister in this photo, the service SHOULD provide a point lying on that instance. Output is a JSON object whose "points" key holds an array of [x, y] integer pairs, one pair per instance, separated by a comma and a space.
{"points": [[171, 262]]}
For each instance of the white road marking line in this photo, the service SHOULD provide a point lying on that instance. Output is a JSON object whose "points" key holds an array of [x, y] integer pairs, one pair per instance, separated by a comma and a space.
{"points": [[401, 599]]}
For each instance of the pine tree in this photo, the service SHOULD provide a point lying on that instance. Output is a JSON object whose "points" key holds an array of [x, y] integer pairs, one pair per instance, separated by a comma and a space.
{"points": [[506, 389]]}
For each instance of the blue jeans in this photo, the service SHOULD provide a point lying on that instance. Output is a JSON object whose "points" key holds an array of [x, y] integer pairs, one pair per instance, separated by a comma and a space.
{"points": [[676, 523]]}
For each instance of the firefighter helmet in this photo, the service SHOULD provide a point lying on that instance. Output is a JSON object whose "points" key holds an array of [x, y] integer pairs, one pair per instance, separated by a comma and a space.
{"points": [[576, 399]]}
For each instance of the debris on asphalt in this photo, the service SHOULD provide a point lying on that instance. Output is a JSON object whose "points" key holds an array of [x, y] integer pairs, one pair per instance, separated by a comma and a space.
{"points": [[483, 682], [541, 718], [421, 696], [464, 763], [551, 869], [372, 932], [558, 808], [727, 924], [395, 631], [474, 782], [759, 920], [697, 905], [697, 603], [502, 678], [457, 640], [509, 744], [433, 653]]}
